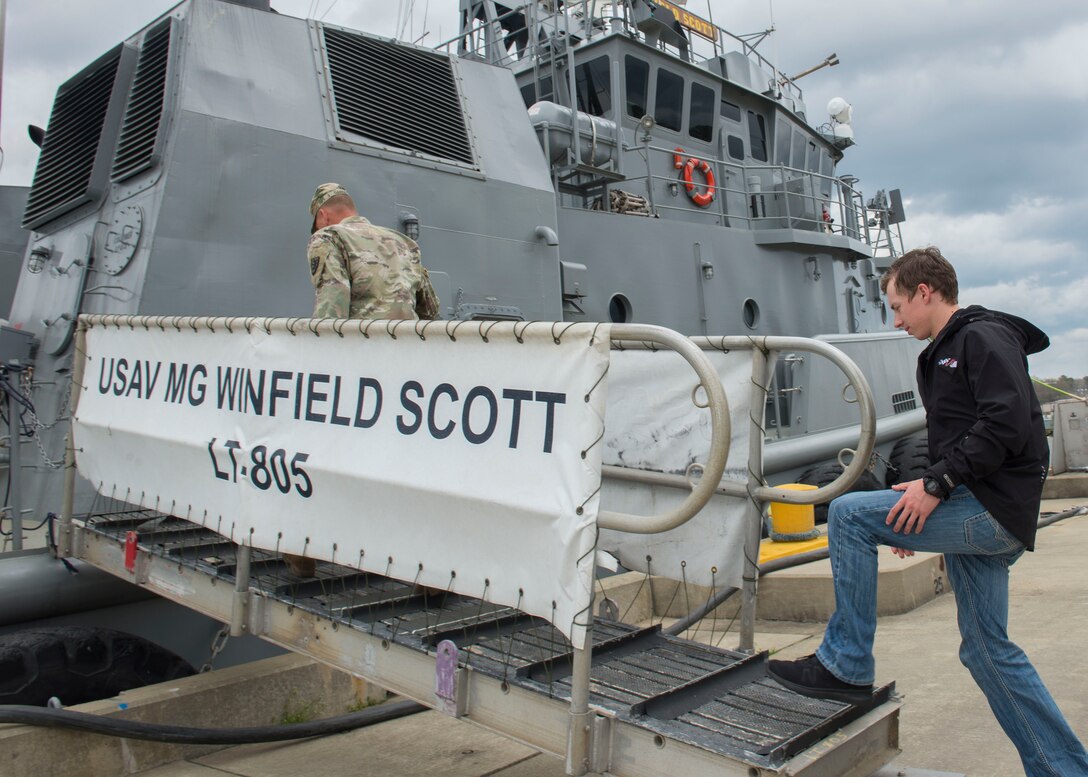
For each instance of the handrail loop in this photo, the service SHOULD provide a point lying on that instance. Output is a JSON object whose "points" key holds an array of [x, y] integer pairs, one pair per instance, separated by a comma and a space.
{"points": [[736, 488], [720, 434]]}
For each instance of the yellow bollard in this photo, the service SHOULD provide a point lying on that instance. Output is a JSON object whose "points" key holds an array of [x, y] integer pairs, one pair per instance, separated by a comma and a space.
{"points": [[790, 522]]}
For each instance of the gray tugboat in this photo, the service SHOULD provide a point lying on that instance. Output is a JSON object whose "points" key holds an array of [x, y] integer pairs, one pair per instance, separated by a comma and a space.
{"points": [[623, 162], [694, 194]]}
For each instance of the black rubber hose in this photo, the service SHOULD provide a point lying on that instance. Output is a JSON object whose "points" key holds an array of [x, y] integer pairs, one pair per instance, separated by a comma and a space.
{"points": [[796, 560], [700, 612], [721, 596], [186, 735], [1046, 520]]}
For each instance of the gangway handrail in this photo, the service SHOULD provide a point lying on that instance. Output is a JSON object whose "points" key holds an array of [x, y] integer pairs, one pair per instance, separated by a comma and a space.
{"points": [[634, 336], [754, 489], [863, 397], [838, 486], [641, 336], [630, 335]]}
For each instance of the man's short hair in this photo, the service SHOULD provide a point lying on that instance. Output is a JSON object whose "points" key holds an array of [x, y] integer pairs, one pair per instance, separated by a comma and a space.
{"points": [[923, 265]]}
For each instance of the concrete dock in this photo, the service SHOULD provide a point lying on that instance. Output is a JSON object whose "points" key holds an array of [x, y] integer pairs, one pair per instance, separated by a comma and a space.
{"points": [[945, 725]]}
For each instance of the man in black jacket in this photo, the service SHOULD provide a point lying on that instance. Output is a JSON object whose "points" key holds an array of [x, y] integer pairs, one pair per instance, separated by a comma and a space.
{"points": [[978, 503]]}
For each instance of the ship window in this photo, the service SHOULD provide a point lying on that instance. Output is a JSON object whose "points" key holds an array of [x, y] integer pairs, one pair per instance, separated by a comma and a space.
{"points": [[736, 147], [701, 113], [797, 154], [826, 165], [757, 136], [593, 86], [730, 111], [782, 142], [638, 86], [528, 94], [826, 168], [669, 100]]}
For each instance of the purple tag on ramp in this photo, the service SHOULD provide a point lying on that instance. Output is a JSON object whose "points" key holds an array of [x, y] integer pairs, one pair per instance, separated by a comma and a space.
{"points": [[445, 678]]}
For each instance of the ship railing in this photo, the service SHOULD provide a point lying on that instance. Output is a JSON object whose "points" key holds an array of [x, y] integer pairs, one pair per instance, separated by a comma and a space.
{"points": [[886, 238], [698, 48], [489, 40], [757, 196], [500, 42], [782, 196]]}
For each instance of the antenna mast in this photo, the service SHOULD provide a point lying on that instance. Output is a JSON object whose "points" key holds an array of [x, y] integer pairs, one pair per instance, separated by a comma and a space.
{"points": [[774, 41]]}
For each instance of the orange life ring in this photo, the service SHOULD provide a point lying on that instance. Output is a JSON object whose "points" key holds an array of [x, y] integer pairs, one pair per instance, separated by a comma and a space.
{"points": [[703, 198]]}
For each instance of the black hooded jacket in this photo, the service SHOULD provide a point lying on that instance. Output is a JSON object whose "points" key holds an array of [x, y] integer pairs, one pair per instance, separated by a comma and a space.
{"points": [[983, 418]]}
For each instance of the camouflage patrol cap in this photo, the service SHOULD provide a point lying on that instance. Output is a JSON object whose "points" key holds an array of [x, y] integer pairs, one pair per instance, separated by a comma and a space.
{"points": [[323, 194]]}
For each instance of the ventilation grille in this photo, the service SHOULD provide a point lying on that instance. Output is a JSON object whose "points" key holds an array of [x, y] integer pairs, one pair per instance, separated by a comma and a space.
{"points": [[399, 96], [136, 150], [903, 401], [66, 166]]}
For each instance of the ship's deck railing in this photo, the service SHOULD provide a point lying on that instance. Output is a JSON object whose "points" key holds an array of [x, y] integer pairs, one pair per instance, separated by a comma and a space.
{"points": [[508, 38], [772, 196], [757, 196]]}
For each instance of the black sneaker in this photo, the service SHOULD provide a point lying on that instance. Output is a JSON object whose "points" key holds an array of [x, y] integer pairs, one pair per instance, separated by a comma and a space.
{"points": [[808, 677]]}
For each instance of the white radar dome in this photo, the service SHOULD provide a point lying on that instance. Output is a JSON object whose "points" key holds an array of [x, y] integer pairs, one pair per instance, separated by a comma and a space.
{"points": [[840, 110]]}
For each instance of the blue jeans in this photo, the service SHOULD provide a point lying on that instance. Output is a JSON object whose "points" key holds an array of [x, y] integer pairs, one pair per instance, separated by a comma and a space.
{"points": [[978, 553]]}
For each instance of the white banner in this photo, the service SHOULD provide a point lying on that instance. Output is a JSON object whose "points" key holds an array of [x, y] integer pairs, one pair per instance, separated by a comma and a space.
{"points": [[461, 460], [651, 423]]}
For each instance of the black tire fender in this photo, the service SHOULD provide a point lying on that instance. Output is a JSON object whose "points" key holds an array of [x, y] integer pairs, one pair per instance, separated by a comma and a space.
{"points": [[79, 664], [910, 456], [823, 474]]}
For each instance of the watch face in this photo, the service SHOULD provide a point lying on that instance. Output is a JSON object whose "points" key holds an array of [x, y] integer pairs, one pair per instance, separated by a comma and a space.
{"points": [[932, 487]]}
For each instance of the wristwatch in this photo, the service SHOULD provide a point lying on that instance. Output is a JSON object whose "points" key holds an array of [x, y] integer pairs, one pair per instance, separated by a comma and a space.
{"points": [[934, 487]]}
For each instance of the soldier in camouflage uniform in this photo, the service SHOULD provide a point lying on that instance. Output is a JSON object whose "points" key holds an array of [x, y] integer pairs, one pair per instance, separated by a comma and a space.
{"points": [[360, 270]]}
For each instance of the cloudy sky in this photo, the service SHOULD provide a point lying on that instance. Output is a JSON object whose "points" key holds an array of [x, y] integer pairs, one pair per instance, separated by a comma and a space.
{"points": [[976, 109]]}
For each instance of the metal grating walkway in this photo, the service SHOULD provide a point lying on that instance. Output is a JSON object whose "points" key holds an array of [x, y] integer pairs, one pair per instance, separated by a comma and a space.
{"points": [[718, 703]]}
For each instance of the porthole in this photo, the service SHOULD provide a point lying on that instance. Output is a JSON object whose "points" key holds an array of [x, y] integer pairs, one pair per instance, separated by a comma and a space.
{"points": [[751, 313], [619, 309]]}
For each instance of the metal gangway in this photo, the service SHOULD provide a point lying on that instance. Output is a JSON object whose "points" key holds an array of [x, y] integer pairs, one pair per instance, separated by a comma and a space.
{"points": [[609, 697]]}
